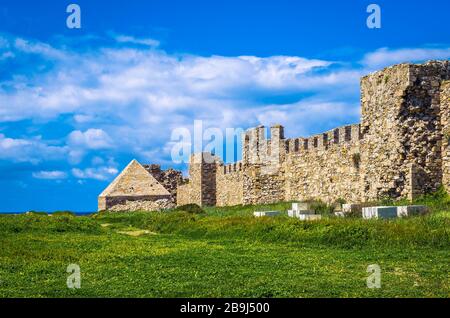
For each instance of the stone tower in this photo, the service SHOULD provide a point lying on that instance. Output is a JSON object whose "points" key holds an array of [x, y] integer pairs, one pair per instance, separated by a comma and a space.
{"points": [[401, 150], [201, 188], [263, 175]]}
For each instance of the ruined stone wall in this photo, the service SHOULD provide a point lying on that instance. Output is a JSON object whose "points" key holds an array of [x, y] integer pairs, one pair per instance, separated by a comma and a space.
{"points": [[134, 203], [145, 204], [401, 150], [169, 178], [184, 195], [229, 184], [382, 95], [262, 186], [326, 166], [421, 131], [445, 124]]}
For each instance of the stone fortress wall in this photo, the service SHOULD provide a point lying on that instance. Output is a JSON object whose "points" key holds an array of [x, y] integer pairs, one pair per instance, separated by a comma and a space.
{"points": [[399, 150]]}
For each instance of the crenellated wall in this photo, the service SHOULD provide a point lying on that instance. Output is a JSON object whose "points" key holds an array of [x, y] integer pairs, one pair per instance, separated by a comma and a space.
{"points": [[263, 176], [326, 166], [229, 184]]}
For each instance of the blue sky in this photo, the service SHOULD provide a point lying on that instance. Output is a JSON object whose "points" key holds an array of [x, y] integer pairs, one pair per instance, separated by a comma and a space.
{"points": [[77, 105]]}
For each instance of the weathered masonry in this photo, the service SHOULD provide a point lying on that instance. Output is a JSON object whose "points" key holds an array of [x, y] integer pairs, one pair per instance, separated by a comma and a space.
{"points": [[400, 150]]}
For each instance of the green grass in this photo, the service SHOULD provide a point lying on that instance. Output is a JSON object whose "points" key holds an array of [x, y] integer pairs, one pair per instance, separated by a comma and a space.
{"points": [[224, 252]]}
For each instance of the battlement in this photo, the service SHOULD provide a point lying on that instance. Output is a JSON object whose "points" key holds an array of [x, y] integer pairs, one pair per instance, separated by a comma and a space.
{"points": [[232, 167], [337, 136]]}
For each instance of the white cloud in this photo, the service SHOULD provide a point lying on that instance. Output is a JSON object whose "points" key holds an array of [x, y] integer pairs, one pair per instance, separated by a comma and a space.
{"points": [[134, 40], [35, 47], [309, 116], [6, 55], [152, 85], [33, 150], [385, 56], [99, 173], [90, 139], [136, 96], [50, 175], [81, 118]]}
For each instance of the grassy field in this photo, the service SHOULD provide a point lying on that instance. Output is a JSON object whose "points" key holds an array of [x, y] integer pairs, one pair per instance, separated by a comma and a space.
{"points": [[224, 252]]}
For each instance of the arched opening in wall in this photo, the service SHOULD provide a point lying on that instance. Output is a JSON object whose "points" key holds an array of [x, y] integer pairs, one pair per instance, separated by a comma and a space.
{"points": [[296, 145], [315, 142]]}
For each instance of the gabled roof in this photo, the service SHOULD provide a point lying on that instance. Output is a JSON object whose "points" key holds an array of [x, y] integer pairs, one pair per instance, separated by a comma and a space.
{"points": [[134, 180]]}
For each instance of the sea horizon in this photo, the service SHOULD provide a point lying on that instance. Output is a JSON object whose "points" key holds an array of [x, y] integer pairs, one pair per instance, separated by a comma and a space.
{"points": [[78, 213]]}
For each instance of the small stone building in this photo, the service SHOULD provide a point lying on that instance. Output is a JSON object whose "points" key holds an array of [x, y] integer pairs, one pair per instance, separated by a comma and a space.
{"points": [[135, 188]]}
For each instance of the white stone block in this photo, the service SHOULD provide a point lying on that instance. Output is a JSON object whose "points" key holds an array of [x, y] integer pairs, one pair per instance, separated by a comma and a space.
{"points": [[380, 212], [389, 212], [339, 214], [295, 214], [411, 210], [348, 208], [300, 206], [266, 213], [309, 217]]}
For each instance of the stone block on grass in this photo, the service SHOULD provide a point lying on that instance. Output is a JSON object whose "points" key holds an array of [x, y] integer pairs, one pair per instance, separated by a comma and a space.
{"points": [[380, 212], [390, 212], [411, 210], [266, 213], [309, 217], [302, 206], [351, 207], [295, 214]]}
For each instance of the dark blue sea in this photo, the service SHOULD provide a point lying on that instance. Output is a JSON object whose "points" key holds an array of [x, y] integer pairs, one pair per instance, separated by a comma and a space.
{"points": [[76, 213]]}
